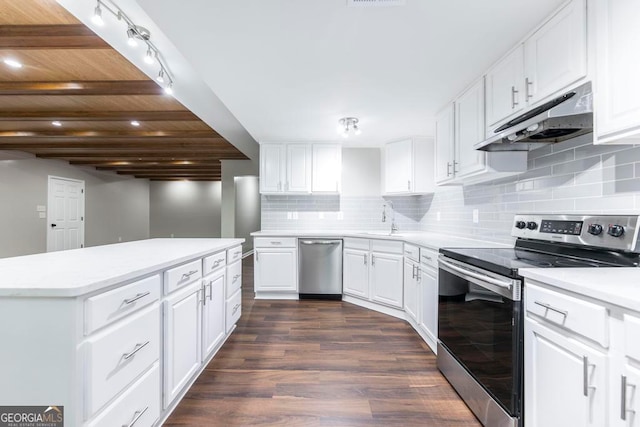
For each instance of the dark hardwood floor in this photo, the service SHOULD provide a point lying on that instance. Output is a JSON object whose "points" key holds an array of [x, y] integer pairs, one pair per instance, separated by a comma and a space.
{"points": [[320, 363]]}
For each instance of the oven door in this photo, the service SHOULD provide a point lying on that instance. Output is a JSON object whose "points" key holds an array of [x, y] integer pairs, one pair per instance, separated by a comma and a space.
{"points": [[480, 324]]}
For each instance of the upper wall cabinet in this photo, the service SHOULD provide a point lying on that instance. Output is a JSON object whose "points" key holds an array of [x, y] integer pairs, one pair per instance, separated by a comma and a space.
{"points": [[327, 168], [300, 168], [458, 127], [408, 167], [552, 58], [285, 168], [617, 83]]}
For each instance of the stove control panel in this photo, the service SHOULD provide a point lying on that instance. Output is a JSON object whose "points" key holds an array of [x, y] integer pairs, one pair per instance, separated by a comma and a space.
{"points": [[606, 231]]}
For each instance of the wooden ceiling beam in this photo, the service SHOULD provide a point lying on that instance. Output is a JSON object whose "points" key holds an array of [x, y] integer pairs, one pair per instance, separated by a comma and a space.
{"points": [[185, 179], [49, 37], [150, 156], [170, 173], [119, 145], [99, 87], [70, 135], [110, 165], [62, 152], [98, 116], [177, 168]]}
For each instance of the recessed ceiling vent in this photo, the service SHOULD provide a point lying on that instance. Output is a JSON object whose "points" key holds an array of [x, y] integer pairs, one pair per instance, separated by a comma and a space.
{"points": [[375, 3]]}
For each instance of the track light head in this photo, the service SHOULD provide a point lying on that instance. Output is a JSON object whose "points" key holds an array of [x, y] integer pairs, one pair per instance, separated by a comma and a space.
{"points": [[97, 15]]}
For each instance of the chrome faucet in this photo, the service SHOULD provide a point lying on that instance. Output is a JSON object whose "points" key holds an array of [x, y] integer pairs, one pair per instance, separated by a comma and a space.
{"points": [[394, 226]]}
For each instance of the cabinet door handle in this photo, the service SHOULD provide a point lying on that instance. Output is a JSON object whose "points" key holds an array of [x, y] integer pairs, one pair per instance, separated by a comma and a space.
{"points": [[189, 274], [549, 307], [418, 272], [365, 259], [514, 92], [527, 84], [136, 298], [623, 398], [137, 348], [373, 260], [409, 185], [585, 376], [455, 171], [235, 308], [210, 290], [204, 293], [136, 417], [448, 169]]}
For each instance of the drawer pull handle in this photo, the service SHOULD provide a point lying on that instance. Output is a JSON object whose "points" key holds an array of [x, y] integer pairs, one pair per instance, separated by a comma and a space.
{"points": [[428, 258], [273, 243], [235, 308], [136, 417], [623, 398], [549, 307], [236, 277], [137, 297], [189, 274], [138, 347], [216, 263], [585, 376]]}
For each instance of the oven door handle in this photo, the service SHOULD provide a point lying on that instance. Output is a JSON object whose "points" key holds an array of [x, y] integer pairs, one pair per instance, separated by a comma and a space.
{"points": [[466, 274]]}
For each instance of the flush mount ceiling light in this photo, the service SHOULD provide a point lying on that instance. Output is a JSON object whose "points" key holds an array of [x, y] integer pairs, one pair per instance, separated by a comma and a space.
{"points": [[56, 123], [347, 125], [12, 63], [136, 33], [135, 123]]}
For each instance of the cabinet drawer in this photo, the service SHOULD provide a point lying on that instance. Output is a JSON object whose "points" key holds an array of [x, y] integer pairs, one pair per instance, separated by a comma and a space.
{"points": [[429, 258], [140, 403], [105, 308], [234, 254], [632, 336], [388, 246], [214, 262], [353, 243], [275, 242], [119, 355], [412, 252], [234, 278], [582, 317], [183, 275], [234, 309]]}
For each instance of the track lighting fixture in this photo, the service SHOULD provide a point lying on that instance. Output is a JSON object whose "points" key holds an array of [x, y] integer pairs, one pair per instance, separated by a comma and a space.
{"points": [[135, 34], [347, 125]]}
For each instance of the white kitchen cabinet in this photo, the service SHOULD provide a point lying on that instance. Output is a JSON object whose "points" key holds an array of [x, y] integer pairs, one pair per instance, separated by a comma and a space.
{"points": [[355, 271], [505, 87], [411, 285], [275, 266], [616, 84], [373, 271], [327, 168], [560, 369], [407, 167], [213, 318], [428, 296], [555, 56], [285, 168], [551, 59], [182, 329], [458, 127]]}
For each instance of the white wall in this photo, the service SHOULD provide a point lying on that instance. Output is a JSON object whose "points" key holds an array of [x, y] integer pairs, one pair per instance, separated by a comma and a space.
{"points": [[230, 170], [247, 209], [361, 172], [184, 208], [115, 206]]}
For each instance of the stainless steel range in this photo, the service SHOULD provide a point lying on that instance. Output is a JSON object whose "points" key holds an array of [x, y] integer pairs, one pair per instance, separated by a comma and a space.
{"points": [[480, 316]]}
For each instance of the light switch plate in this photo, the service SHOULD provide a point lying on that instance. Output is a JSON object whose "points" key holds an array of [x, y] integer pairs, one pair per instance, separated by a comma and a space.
{"points": [[41, 208], [42, 214]]}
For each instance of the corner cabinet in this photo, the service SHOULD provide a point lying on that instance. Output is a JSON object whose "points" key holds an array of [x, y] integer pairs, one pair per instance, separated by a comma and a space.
{"points": [[459, 126], [617, 86], [285, 168], [406, 167], [276, 267]]}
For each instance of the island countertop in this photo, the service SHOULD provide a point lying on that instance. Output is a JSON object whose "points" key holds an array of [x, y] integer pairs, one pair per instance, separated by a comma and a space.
{"points": [[81, 271]]}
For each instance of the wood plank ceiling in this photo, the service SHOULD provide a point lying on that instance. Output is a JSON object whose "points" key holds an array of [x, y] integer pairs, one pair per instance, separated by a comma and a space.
{"points": [[72, 76]]}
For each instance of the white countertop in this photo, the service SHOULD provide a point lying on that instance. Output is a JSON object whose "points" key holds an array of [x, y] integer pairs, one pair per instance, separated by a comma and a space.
{"points": [[81, 271], [615, 285], [419, 238]]}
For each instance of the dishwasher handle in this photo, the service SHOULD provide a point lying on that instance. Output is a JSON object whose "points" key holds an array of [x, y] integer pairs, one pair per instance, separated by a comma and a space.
{"points": [[319, 242]]}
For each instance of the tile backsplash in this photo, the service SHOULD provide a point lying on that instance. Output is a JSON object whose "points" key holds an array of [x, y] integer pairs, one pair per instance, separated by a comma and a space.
{"points": [[574, 176]]}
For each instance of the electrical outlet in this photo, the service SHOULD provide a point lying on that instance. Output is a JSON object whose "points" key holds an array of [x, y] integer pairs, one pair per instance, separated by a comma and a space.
{"points": [[438, 216], [476, 215], [120, 238]]}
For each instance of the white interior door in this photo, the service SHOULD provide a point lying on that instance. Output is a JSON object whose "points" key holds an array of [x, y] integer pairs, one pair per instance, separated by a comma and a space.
{"points": [[65, 224]]}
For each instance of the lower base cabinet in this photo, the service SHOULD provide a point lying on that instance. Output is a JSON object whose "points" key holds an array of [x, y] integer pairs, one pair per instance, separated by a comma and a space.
{"points": [[182, 355], [213, 318], [428, 296], [275, 265]]}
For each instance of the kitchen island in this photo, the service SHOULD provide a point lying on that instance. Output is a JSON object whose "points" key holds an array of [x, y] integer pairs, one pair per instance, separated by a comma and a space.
{"points": [[115, 333]]}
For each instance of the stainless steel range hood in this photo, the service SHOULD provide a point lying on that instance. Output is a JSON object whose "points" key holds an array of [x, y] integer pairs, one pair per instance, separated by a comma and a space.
{"points": [[565, 117]]}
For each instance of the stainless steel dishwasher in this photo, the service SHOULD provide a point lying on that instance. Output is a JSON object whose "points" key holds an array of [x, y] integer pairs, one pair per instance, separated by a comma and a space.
{"points": [[320, 268]]}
